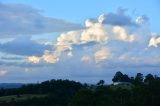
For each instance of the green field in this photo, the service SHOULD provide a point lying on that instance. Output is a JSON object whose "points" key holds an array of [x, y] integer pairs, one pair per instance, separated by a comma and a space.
{"points": [[20, 97]]}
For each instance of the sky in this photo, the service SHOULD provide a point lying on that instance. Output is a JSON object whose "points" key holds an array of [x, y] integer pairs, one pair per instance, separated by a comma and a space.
{"points": [[85, 40]]}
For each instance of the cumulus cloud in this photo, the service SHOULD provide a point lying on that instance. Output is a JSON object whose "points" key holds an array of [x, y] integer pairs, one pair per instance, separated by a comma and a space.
{"points": [[94, 31], [66, 40], [48, 57], [102, 35], [122, 34], [154, 41], [140, 20], [19, 19], [99, 43], [34, 59], [102, 54], [101, 18]]}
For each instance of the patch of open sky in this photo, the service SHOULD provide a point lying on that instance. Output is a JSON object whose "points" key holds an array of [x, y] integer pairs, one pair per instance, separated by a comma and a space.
{"points": [[47, 39], [50, 36]]}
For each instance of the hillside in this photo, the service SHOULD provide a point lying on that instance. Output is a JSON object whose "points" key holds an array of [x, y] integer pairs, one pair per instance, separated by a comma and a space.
{"points": [[10, 85], [141, 91]]}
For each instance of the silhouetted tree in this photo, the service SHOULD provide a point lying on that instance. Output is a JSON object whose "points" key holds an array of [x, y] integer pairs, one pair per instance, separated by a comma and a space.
{"points": [[138, 79], [121, 77], [125, 78], [101, 83], [149, 78], [70, 93], [132, 80], [117, 77]]}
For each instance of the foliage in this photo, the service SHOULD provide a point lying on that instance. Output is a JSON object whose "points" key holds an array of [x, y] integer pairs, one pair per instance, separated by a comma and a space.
{"points": [[145, 92], [141, 94]]}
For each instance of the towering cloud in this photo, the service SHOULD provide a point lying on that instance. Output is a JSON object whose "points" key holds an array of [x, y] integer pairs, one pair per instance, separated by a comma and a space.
{"points": [[94, 31], [102, 31], [113, 41]]}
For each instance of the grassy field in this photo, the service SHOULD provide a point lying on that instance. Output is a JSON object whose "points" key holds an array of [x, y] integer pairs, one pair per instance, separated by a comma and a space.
{"points": [[20, 97], [114, 87]]}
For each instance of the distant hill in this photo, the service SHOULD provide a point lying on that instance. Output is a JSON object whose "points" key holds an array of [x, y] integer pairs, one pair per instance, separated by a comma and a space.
{"points": [[10, 85], [48, 93]]}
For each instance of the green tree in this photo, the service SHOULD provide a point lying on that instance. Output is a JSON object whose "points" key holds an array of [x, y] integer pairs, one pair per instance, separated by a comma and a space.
{"points": [[138, 79], [125, 78], [149, 78], [117, 77], [101, 83]]}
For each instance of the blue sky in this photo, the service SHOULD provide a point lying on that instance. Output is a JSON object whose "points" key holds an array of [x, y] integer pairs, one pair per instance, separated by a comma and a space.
{"points": [[80, 40], [79, 11]]}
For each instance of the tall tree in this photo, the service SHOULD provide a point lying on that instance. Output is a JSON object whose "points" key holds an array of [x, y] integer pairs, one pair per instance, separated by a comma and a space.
{"points": [[125, 78], [101, 83], [139, 78], [149, 78], [117, 77]]}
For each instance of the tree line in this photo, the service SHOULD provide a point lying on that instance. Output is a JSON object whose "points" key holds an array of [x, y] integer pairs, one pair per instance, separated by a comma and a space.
{"points": [[144, 92]]}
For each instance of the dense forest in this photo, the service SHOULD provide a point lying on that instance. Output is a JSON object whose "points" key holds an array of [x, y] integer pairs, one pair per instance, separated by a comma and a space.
{"points": [[132, 91]]}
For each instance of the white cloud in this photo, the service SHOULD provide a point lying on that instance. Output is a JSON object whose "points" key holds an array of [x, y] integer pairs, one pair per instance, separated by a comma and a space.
{"points": [[102, 54], [93, 31], [122, 34], [34, 59], [66, 40], [140, 20], [154, 41], [101, 18], [50, 57], [96, 31]]}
